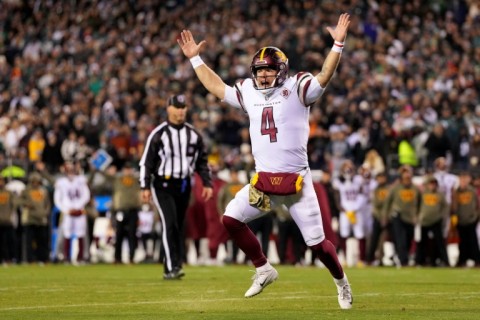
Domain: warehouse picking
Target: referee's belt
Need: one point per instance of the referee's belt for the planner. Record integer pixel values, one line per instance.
(170, 179)
(175, 182)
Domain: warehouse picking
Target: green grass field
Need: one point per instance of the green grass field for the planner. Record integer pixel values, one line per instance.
(138, 292)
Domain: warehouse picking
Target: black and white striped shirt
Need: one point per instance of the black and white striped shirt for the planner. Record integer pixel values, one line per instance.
(174, 152)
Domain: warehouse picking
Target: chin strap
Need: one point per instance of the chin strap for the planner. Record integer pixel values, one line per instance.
(267, 91)
(273, 86)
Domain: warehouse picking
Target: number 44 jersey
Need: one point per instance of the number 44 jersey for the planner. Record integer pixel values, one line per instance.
(279, 120)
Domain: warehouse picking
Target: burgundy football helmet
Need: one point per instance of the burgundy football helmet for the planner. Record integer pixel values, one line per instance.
(270, 57)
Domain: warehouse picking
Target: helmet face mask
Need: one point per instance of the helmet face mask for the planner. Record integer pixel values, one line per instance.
(272, 59)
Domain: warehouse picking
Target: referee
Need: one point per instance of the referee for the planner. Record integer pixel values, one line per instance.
(173, 152)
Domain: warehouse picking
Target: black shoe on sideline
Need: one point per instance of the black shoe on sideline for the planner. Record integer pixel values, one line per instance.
(176, 274)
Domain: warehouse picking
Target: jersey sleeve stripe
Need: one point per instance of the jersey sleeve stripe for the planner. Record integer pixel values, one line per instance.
(302, 86)
(299, 75)
(305, 89)
(239, 95)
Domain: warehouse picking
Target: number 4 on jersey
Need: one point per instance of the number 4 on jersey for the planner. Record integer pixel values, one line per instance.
(268, 124)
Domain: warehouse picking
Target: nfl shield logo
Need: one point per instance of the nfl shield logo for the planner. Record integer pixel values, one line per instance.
(285, 93)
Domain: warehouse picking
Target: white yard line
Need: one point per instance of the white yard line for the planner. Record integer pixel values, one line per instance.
(464, 296)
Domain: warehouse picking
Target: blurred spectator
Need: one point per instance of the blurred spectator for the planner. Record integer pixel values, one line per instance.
(226, 193)
(368, 185)
(69, 147)
(379, 222)
(401, 207)
(406, 152)
(228, 129)
(125, 205)
(438, 144)
(36, 209)
(474, 154)
(83, 152)
(323, 196)
(326, 184)
(288, 233)
(52, 153)
(36, 145)
(466, 214)
(433, 210)
(216, 232)
(13, 136)
(7, 232)
(461, 156)
(338, 150)
(374, 163)
(196, 218)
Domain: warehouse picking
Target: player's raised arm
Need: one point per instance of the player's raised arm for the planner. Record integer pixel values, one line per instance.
(207, 76)
(331, 62)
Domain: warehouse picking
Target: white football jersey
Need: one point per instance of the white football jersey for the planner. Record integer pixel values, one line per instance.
(368, 188)
(351, 196)
(446, 183)
(71, 194)
(279, 121)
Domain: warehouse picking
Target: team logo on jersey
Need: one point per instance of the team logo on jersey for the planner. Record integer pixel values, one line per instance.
(285, 93)
(430, 199)
(276, 181)
(407, 195)
(127, 181)
(36, 195)
(464, 198)
(382, 194)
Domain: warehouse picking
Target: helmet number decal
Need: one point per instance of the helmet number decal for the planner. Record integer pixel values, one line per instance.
(268, 124)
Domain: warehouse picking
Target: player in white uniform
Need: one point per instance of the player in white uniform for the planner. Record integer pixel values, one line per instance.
(278, 107)
(352, 203)
(369, 184)
(71, 195)
(447, 184)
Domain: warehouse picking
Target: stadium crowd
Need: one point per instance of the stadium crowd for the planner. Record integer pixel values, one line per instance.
(80, 76)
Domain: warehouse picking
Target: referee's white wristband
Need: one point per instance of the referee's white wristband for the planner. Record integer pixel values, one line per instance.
(196, 61)
(338, 46)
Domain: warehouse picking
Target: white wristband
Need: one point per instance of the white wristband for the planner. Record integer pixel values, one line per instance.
(196, 61)
(338, 46)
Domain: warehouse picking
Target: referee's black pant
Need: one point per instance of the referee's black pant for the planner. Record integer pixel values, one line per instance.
(171, 197)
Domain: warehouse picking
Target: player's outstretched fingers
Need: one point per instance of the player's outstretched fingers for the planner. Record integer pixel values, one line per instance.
(189, 35)
(184, 38)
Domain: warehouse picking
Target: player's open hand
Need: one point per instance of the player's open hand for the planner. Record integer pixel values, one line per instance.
(189, 47)
(339, 33)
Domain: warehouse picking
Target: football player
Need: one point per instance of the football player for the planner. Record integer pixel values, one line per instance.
(447, 184)
(352, 203)
(278, 107)
(71, 196)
